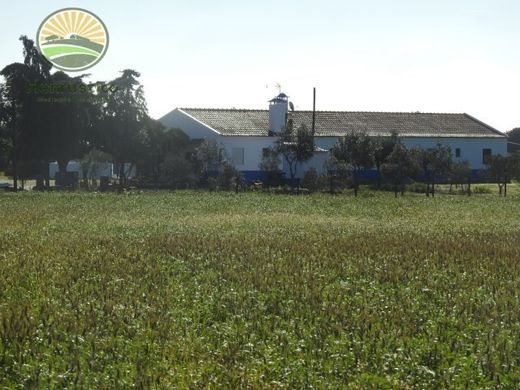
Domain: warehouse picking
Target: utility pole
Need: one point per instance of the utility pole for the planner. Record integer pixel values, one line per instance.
(313, 110)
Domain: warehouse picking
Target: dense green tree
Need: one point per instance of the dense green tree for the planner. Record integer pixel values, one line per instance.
(436, 163)
(177, 171)
(121, 121)
(402, 164)
(460, 174)
(382, 147)
(311, 180)
(48, 113)
(24, 114)
(166, 157)
(68, 113)
(151, 153)
(229, 177)
(270, 166)
(295, 146)
(352, 154)
(209, 157)
(514, 135)
(502, 169)
(5, 137)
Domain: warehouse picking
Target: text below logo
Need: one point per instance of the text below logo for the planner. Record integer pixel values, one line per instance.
(72, 39)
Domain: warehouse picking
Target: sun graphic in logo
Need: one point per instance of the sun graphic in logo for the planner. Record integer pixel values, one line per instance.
(72, 39)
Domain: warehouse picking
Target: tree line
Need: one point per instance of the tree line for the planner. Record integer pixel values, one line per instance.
(358, 158)
(47, 117)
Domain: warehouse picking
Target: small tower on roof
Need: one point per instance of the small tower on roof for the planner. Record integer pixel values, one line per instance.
(278, 108)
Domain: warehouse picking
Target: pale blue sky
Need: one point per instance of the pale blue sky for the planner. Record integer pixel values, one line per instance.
(371, 55)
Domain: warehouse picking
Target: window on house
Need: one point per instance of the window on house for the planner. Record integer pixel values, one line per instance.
(486, 153)
(237, 156)
(457, 152)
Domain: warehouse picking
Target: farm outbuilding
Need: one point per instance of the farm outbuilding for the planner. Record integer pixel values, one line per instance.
(245, 133)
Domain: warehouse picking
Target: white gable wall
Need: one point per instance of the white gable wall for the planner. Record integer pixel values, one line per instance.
(190, 125)
(197, 130)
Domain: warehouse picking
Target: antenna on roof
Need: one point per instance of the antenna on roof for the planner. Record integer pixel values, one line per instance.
(279, 87)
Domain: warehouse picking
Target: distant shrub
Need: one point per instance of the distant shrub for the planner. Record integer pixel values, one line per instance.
(229, 178)
(417, 187)
(310, 180)
(366, 194)
(386, 186)
(323, 182)
(481, 190)
(177, 172)
(212, 184)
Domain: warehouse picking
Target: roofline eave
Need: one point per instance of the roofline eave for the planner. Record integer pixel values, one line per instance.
(198, 121)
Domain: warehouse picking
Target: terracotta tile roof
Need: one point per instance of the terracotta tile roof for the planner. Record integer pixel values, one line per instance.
(239, 122)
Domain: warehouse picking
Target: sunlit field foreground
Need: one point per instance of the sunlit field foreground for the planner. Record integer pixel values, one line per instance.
(193, 289)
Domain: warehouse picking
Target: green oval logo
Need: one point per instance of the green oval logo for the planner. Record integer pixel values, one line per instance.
(72, 39)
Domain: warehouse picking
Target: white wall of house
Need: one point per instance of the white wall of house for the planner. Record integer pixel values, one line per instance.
(252, 150)
(104, 169)
(317, 162)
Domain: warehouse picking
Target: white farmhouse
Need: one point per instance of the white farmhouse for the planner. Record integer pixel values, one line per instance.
(244, 134)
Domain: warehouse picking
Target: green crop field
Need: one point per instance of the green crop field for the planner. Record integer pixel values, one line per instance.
(193, 289)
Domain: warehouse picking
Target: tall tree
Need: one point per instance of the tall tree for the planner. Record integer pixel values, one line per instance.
(5, 137)
(68, 120)
(122, 118)
(352, 154)
(24, 115)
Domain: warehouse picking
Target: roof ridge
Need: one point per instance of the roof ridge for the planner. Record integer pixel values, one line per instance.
(385, 112)
(246, 121)
(325, 111)
(220, 109)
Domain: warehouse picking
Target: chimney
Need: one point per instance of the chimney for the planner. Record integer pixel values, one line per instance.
(278, 108)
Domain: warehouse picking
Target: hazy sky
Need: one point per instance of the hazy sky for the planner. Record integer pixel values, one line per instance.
(370, 55)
